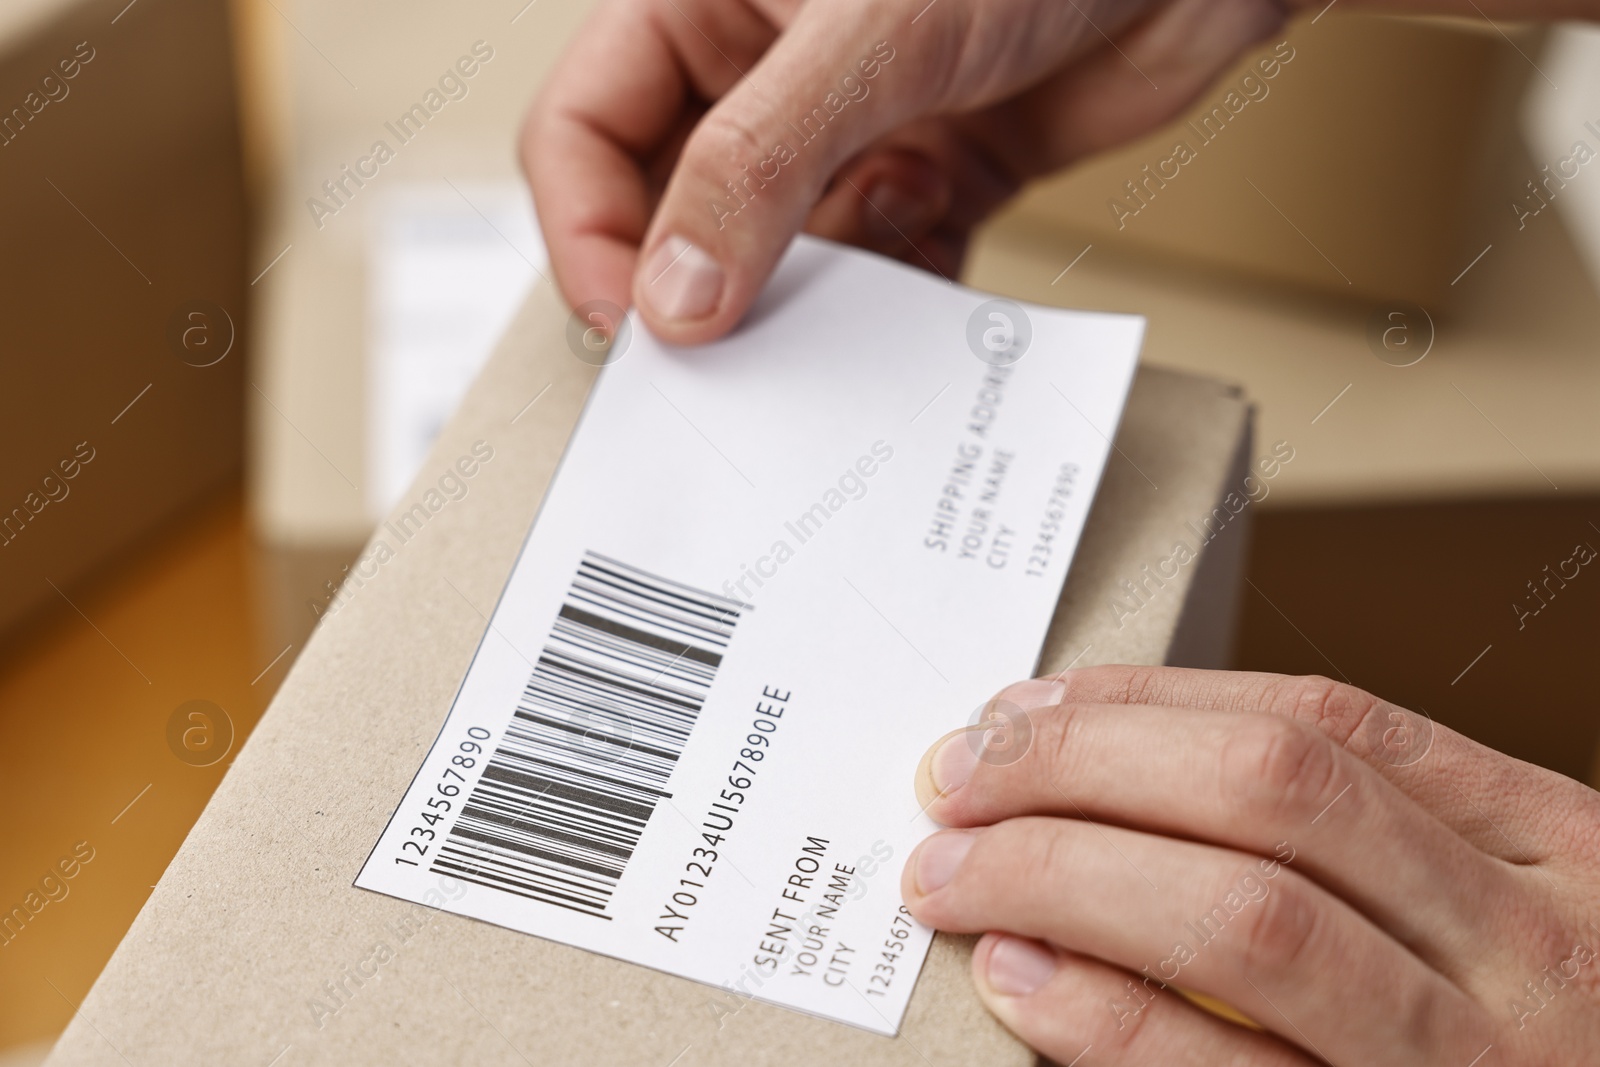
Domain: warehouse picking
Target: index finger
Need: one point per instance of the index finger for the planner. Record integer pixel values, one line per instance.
(625, 93)
(1479, 793)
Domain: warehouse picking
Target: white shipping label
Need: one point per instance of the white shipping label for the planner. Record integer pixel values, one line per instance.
(769, 573)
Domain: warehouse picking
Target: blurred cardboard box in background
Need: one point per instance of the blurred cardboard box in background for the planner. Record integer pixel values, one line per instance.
(123, 214)
(1352, 154)
(321, 455)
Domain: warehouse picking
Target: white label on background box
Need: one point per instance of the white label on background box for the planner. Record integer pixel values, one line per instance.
(769, 573)
(450, 267)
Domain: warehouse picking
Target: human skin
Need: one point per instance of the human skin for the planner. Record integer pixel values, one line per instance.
(1370, 887)
(657, 104)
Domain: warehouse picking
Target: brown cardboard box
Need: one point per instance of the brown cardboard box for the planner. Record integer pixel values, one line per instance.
(1352, 154)
(121, 204)
(258, 912)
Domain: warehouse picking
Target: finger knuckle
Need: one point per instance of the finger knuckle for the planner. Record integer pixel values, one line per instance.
(1056, 735)
(1432, 1015)
(1276, 771)
(1118, 1027)
(1283, 931)
(1336, 708)
(1043, 853)
(1124, 684)
(1580, 827)
(726, 138)
(1560, 954)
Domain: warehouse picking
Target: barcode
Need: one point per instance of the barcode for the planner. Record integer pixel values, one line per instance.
(563, 801)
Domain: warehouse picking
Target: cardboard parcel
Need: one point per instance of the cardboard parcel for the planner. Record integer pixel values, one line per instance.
(255, 948)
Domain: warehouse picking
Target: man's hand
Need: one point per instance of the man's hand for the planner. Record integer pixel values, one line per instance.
(680, 144)
(1369, 887)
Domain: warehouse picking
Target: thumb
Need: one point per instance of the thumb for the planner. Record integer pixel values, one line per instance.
(760, 158)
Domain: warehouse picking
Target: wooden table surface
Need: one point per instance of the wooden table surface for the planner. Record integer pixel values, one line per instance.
(86, 693)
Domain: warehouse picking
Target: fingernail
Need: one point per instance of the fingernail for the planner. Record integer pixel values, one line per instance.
(891, 214)
(939, 857)
(1034, 693)
(1018, 966)
(681, 281)
(954, 761)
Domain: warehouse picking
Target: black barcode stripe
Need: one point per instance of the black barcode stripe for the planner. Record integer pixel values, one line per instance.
(559, 808)
(617, 683)
(653, 587)
(640, 611)
(637, 636)
(581, 701)
(709, 613)
(717, 606)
